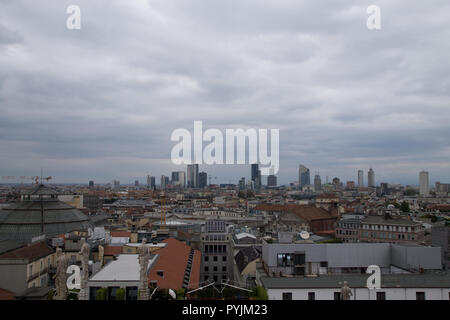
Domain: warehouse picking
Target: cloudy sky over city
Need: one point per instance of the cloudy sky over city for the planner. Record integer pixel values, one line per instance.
(101, 103)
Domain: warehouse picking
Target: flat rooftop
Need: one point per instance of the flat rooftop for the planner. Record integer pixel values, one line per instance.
(428, 280)
(125, 268)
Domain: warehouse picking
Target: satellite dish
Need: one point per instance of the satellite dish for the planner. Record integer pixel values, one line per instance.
(304, 234)
(173, 294)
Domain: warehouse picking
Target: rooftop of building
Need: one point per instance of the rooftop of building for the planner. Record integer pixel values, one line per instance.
(390, 221)
(247, 255)
(7, 295)
(426, 280)
(31, 252)
(8, 245)
(172, 262)
(306, 212)
(124, 268)
(33, 217)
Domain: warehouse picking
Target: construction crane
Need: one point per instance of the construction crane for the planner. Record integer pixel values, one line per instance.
(35, 178)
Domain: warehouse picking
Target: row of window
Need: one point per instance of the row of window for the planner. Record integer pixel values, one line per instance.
(215, 248)
(215, 258)
(215, 237)
(387, 235)
(215, 278)
(388, 228)
(215, 269)
(348, 225)
(337, 296)
(347, 232)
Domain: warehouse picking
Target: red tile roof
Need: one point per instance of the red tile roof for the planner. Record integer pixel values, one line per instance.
(184, 235)
(6, 295)
(32, 252)
(305, 212)
(112, 250)
(172, 262)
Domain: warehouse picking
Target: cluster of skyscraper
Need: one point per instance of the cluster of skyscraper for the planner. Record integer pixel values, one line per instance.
(304, 178)
(195, 179)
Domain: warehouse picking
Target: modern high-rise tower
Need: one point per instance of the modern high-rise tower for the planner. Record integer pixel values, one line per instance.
(254, 172)
(164, 181)
(423, 183)
(360, 178)
(179, 178)
(202, 180)
(272, 180)
(303, 176)
(192, 176)
(317, 183)
(371, 178)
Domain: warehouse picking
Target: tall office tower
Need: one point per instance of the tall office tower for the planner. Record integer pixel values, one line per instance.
(91, 184)
(152, 182)
(116, 185)
(384, 188)
(192, 175)
(303, 176)
(317, 183)
(182, 178)
(424, 183)
(242, 184)
(174, 177)
(202, 180)
(258, 180)
(360, 178)
(149, 181)
(371, 178)
(272, 180)
(136, 183)
(179, 178)
(255, 168)
(164, 182)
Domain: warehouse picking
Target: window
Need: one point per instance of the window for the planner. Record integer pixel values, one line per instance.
(287, 295)
(215, 258)
(206, 258)
(324, 264)
(112, 293)
(337, 296)
(311, 296)
(215, 278)
(284, 260)
(206, 269)
(420, 295)
(224, 258)
(215, 268)
(160, 273)
(131, 293)
(381, 295)
(224, 269)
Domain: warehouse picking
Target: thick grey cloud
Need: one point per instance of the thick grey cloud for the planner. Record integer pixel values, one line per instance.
(102, 102)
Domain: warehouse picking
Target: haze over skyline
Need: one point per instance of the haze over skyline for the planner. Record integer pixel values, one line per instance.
(101, 103)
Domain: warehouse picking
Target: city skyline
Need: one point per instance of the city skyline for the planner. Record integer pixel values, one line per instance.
(144, 179)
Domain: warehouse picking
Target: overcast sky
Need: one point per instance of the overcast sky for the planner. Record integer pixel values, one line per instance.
(101, 103)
